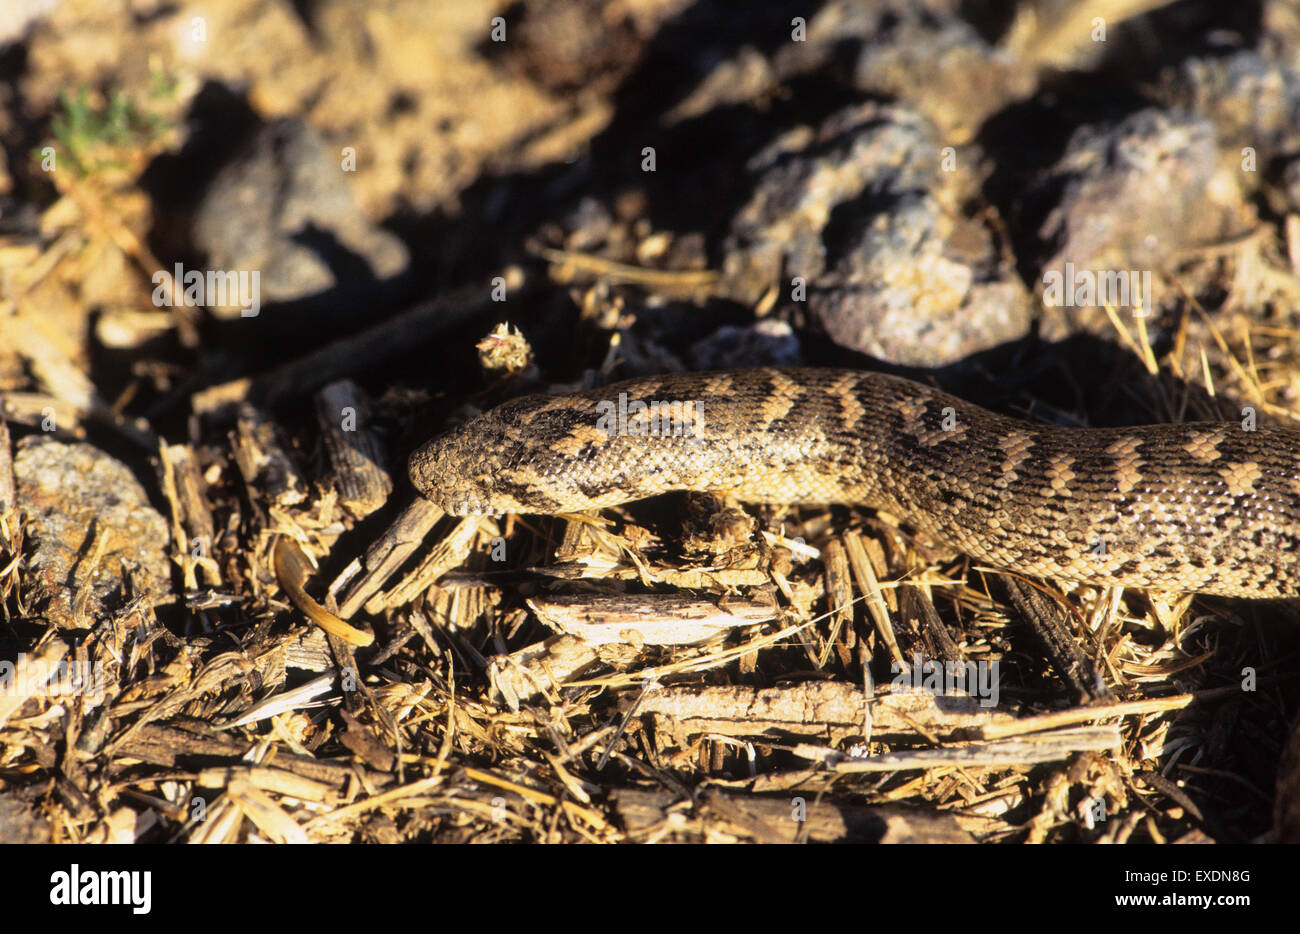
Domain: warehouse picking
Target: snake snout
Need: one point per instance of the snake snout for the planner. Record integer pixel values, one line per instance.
(453, 475)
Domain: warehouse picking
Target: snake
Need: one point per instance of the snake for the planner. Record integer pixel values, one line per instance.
(1196, 507)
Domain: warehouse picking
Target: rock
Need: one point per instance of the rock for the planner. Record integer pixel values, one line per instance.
(904, 292)
(21, 817)
(922, 55)
(89, 525)
(17, 16)
(283, 208)
(1291, 184)
(859, 211)
(945, 70)
(1251, 100)
(1130, 198)
(1254, 103)
(566, 45)
(764, 343)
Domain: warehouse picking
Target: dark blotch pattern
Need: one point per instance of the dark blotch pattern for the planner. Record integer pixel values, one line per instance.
(1177, 525)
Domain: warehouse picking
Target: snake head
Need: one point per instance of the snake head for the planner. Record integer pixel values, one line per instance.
(457, 470)
(546, 455)
(508, 460)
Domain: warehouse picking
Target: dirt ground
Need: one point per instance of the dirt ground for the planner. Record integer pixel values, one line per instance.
(429, 208)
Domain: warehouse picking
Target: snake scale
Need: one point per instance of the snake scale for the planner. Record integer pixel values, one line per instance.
(1207, 507)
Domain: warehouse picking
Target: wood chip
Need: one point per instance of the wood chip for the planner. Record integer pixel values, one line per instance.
(343, 413)
(648, 619)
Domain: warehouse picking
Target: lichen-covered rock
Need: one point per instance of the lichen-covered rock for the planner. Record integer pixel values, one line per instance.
(89, 527)
(927, 57)
(1252, 100)
(1254, 103)
(1130, 198)
(859, 211)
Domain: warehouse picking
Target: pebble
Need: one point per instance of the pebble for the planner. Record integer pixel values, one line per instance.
(87, 521)
(282, 207)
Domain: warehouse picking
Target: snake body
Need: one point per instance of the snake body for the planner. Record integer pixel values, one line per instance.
(1206, 507)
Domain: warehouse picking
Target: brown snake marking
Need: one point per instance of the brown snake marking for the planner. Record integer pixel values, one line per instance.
(1206, 507)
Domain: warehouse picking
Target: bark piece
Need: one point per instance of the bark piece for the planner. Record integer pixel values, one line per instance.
(648, 619)
(538, 668)
(344, 415)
